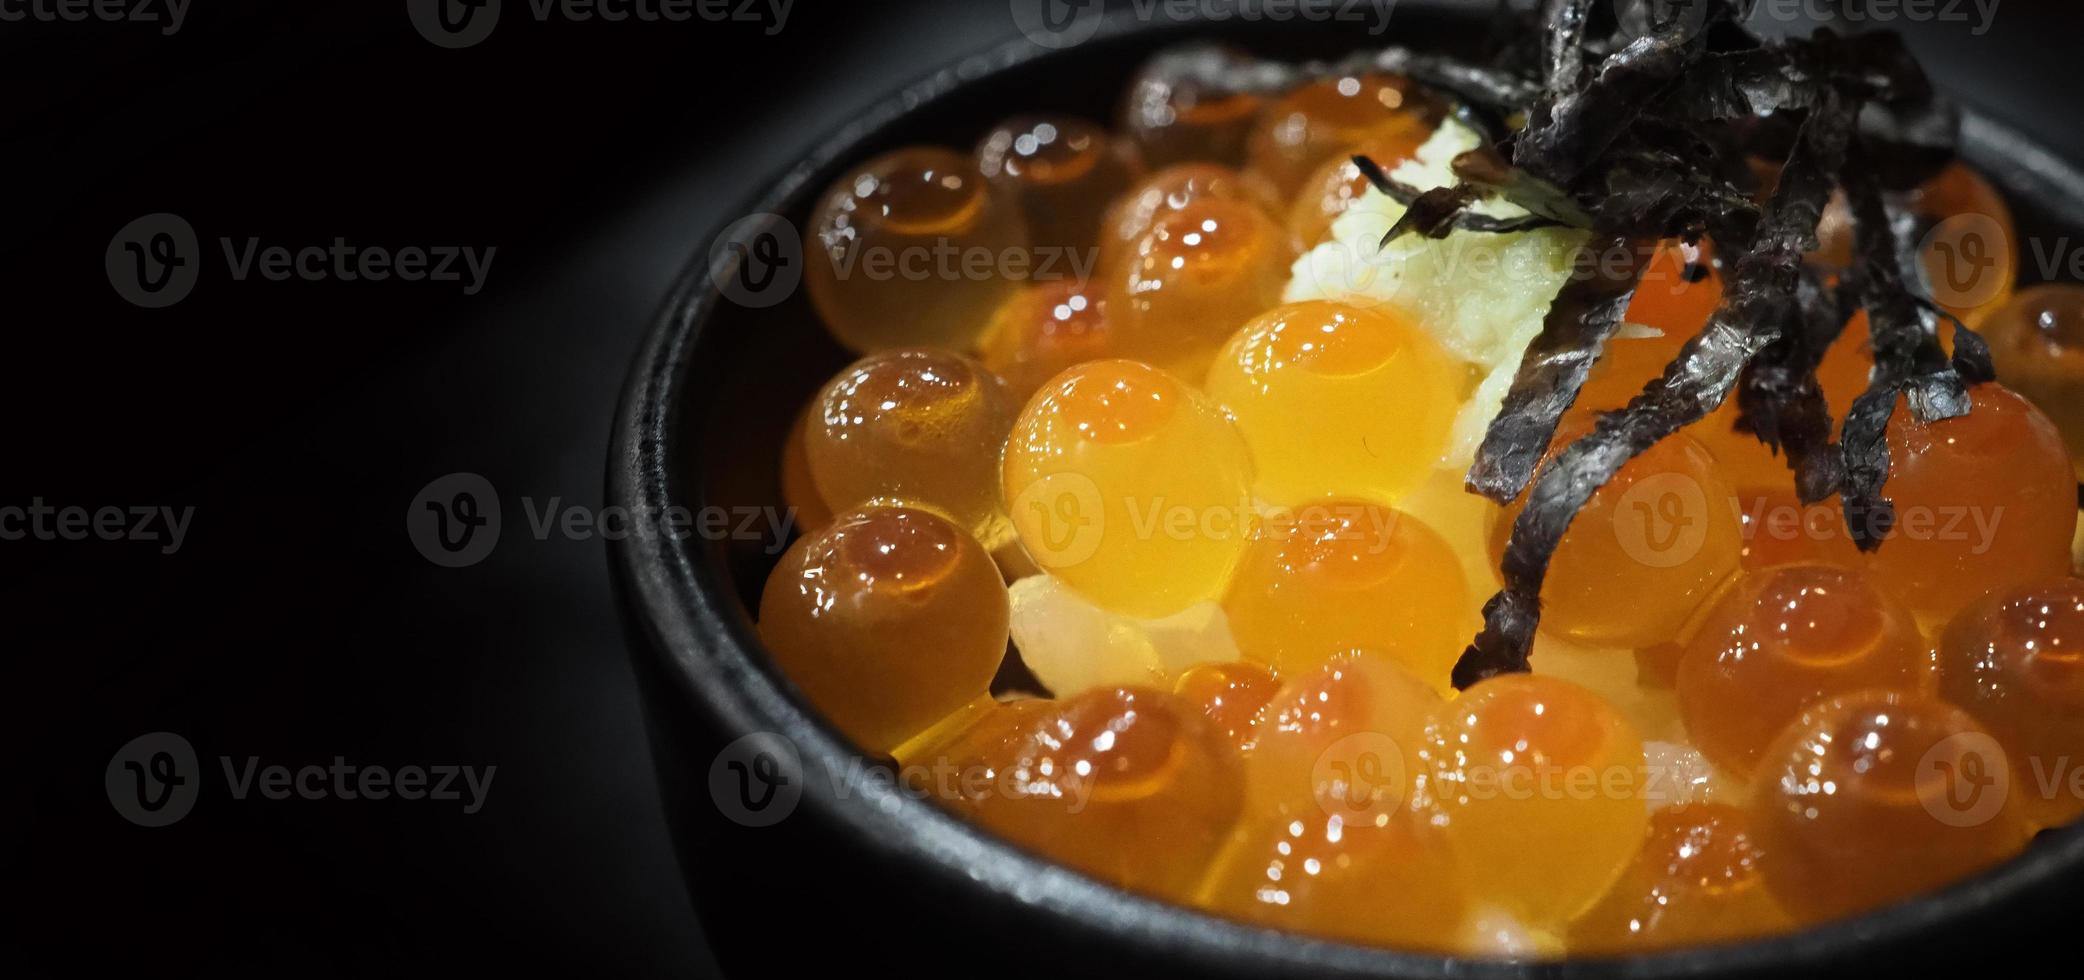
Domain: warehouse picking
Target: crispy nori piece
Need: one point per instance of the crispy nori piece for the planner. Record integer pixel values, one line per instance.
(1754, 309)
(1578, 325)
(1908, 359)
(1564, 142)
(1781, 397)
(1566, 44)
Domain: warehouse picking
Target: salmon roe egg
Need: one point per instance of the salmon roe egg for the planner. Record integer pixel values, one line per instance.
(1335, 399)
(1337, 183)
(1348, 574)
(1319, 120)
(1063, 171)
(1970, 257)
(1984, 501)
(1783, 639)
(2016, 662)
(1382, 881)
(1185, 120)
(889, 619)
(1230, 694)
(2037, 344)
(1130, 487)
(1335, 739)
(1697, 881)
(918, 427)
(1875, 797)
(1043, 330)
(1128, 785)
(1678, 291)
(877, 252)
(1131, 215)
(1781, 530)
(1536, 785)
(1644, 552)
(1193, 279)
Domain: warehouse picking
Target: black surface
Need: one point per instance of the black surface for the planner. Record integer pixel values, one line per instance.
(297, 623)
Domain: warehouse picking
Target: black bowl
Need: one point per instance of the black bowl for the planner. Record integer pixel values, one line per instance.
(857, 873)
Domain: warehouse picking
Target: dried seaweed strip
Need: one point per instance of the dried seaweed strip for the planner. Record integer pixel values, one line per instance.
(1782, 401)
(1655, 193)
(1563, 143)
(1566, 44)
(1761, 290)
(1573, 334)
(1908, 360)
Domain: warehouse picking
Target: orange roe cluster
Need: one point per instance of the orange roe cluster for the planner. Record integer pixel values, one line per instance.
(1147, 469)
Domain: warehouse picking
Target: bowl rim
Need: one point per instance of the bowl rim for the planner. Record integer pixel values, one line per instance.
(682, 612)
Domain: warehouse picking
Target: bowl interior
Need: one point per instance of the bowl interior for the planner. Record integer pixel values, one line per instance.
(745, 372)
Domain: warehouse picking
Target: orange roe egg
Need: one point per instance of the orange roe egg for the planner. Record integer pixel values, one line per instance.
(1644, 553)
(1063, 171)
(1536, 785)
(918, 427)
(2016, 662)
(889, 620)
(886, 249)
(1783, 639)
(1337, 183)
(1230, 695)
(1383, 881)
(1043, 330)
(1321, 119)
(1696, 882)
(1130, 487)
(1190, 282)
(1336, 399)
(1335, 740)
(1177, 120)
(1346, 574)
(1970, 257)
(1983, 502)
(1128, 785)
(1875, 797)
(1131, 215)
(1781, 530)
(2037, 343)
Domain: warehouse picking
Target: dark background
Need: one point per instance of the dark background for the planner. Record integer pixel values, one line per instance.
(300, 419)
